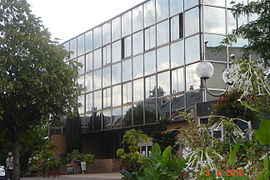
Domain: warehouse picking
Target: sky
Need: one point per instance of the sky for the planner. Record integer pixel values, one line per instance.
(68, 18)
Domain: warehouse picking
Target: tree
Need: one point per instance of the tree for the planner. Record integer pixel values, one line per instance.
(35, 83)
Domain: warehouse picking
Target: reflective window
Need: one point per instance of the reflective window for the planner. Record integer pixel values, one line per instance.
(150, 62)
(97, 37)
(97, 59)
(237, 48)
(178, 81)
(193, 98)
(66, 46)
(137, 16)
(107, 98)
(116, 73)
(127, 116)
(81, 61)
(163, 108)
(89, 82)
(89, 102)
(116, 51)
(149, 38)
(81, 101)
(138, 113)
(107, 76)
(177, 54)
(89, 62)
(216, 80)
(116, 29)
(231, 3)
(73, 48)
(192, 49)
(150, 87)
(116, 95)
(126, 24)
(178, 104)
(88, 41)
(127, 93)
(81, 81)
(138, 89)
(213, 49)
(215, 2)
(192, 21)
(127, 47)
(107, 118)
(176, 24)
(81, 45)
(190, 3)
(231, 22)
(163, 58)
(150, 111)
(97, 120)
(176, 6)
(138, 43)
(98, 100)
(163, 84)
(126, 70)
(97, 79)
(162, 9)
(149, 13)
(106, 33)
(116, 117)
(214, 20)
(138, 66)
(193, 81)
(107, 54)
(163, 32)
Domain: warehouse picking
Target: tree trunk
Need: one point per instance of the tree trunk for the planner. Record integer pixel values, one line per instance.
(16, 159)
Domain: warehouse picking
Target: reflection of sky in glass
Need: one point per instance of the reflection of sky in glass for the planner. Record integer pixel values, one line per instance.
(163, 32)
(97, 78)
(191, 21)
(137, 43)
(192, 49)
(163, 58)
(162, 9)
(107, 54)
(214, 20)
(178, 83)
(174, 28)
(176, 6)
(116, 73)
(138, 66)
(106, 33)
(126, 24)
(116, 95)
(138, 89)
(107, 76)
(107, 118)
(127, 46)
(97, 59)
(89, 102)
(80, 45)
(98, 99)
(97, 37)
(150, 62)
(81, 81)
(127, 92)
(73, 48)
(88, 41)
(107, 97)
(164, 82)
(230, 4)
(116, 28)
(81, 61)
(193, 81)
(177, 54)
(116, 51)
(89, 61)
(150, 84)
(137, 16)
(149, 13)
(215, 2)
(150, 38)
(190, 3)
(126, 70)
(88, 82)
(231, 22)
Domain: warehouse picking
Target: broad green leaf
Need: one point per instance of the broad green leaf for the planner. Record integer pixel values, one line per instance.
(156, 150)
(233, 153)
(244, 103)
(263, 133)
(166, 155)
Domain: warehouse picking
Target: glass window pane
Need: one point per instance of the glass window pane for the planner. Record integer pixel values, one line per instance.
(97, 120)
(138, 89)
(150, 62)
(138, 114)
(214, 20)
(81, 81)
(163, 108)
(163, 32)
(126, 70)
(193, 81)
(97, 59)
(149, 13)
(127, 93)
(97, 79)
(107, 54)
(213, 50)
(127, 46)
(116, 73)
(176, 6)
(231, 3)
(107, 76)
(116, 95)
(89, 62)
(150, 87)
(178, 104)
(98, 100)
(215, 2)
(82, 68)
(126, 24)
(190, 3)
(138, 43)
(137, 16)
(107, 98)
(127, 116)
(231, 22)
(149, 38)
(163, 84)
(88, 41)
(177, 54)
(178, 81)
(117, 117)
(193, 98)
(236, 48)
(163, 58)
(107, 118)
(216, 80)
(106, 33)
(192, 49)
(89, 102)
(116, 51)
(138, 66)
(116, 29)
(150, 111)
(73, 48)
(175, 31)
(81, 101)
(192, 22)
(89, 82)
(97, 37)
(66, 47)
(81, 45)
(162, 9)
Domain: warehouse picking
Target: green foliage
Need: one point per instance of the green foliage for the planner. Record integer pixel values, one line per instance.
(133, 137)
(265, 174)
(233, 154)
(263, 133)
(76, 156)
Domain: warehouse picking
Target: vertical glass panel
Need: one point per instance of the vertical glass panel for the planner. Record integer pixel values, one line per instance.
(214, 20)
(241, 20)
(192, 21)
(164, 84)
(97, 59)
(81, 81)
(190, 3)
(97, 79)
(127, 47)
(175, 33)
(107, 54)
(178, 81)
(89, 62)
(237, 48)
(231, 3)
(88, 41)
(163, 108)
(178, 104)
(116, 95)
(138, 66)
(82, 68)
(138, 89)
(89, 82)
(126, 70)
(116, 51)
(163, 32)
(192, 98)
(163, 58)
(116, 28)
(127, 93)
(138, 43)
(81, 45)
(126, 24)
(150, 111)
(89, 102)
(107, 76)
(150, 62)
(127, 116)
(107, 98)
(81, 101)
(231, 22)
(66, 46)
(150, 87)
(216, 80)
(215, 2)
(116, 73)
(116, 117)
(177, 54)
(73, 48)
(137, 16)
(97, 37)
(97, 120)
(106, 33)
(213, 49)
(162, 9)
(138, 113)
(149, 38)
(107, 118)
(193, 81)
(98, 100)
(149, 13)
(192, 49)
(176, 6)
